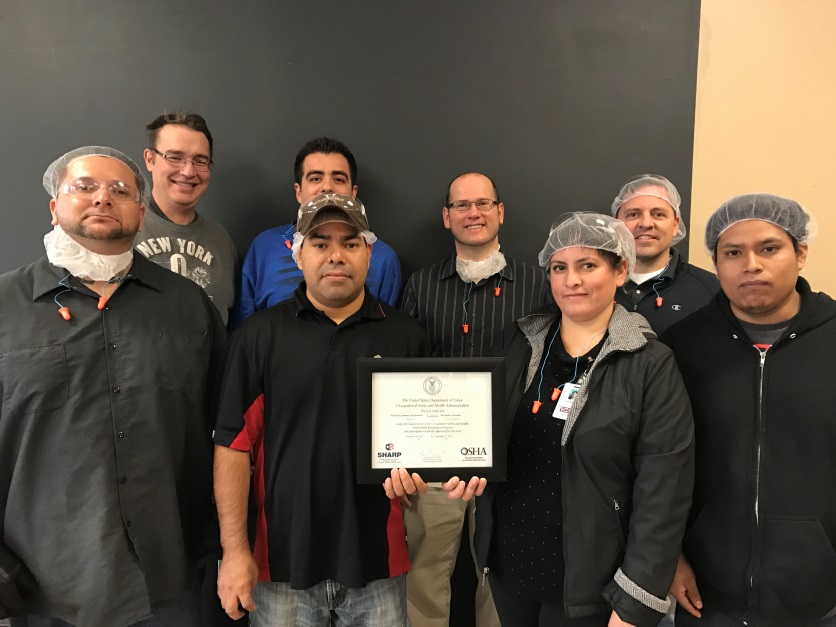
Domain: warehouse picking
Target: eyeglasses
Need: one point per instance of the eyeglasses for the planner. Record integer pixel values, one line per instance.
(483, 204)
(178, 161)
(86, 186)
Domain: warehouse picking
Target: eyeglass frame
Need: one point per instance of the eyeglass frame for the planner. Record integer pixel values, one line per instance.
(68, 189)
(199, 167)
(476, 202)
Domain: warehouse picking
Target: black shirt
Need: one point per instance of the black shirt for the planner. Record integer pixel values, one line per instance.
(528, 532)
(683, 288)
(105, 438)
(289, 396)
(442, 303)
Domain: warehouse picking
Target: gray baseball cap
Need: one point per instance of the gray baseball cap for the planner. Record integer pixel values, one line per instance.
(331, 207)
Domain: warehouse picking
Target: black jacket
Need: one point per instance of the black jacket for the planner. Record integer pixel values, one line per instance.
(764, 516)
(627, 470)
(684, 289)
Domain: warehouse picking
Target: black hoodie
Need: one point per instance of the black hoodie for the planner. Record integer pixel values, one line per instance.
(762, 528)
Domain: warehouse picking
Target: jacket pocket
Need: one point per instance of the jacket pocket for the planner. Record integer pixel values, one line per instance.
(184, 360)
(718, 547)
(33, 379)
(797, 575)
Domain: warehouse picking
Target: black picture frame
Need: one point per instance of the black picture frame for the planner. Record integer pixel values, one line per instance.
(432, 366)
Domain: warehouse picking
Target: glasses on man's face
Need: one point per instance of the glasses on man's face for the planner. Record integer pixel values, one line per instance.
(86, 186)
(483, 204)
(178, 161)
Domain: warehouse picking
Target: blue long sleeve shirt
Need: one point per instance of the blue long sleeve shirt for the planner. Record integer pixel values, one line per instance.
(269, 274)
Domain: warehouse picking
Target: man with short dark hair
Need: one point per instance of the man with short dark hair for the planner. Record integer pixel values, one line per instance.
(180, 159)
(270, 275)
(466, 304)
(105, 429)
(663, 287)
(759, 547)
(324, 544)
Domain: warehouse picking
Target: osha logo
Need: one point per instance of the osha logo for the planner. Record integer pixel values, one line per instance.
(474, 450)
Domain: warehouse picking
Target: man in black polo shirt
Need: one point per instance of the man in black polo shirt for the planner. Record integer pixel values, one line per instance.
(466, 304)
(662, 287)
(289, 399)
(105, 425)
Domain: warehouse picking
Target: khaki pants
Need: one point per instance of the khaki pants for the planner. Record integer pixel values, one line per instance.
(434, 532)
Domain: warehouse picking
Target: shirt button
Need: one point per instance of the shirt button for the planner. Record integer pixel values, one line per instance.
(120, 435)
(116, 390)
(127, 523)
(123, 480)
(112, 347)
(638, 291)
(474, 315)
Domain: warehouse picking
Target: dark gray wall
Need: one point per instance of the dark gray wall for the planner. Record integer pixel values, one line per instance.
(559, 101)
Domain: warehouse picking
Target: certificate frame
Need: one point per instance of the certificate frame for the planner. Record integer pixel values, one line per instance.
(433, 368)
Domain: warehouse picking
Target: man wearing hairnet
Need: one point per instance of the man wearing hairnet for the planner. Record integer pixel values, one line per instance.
(759, 549)
(663, 287)
(105, 425)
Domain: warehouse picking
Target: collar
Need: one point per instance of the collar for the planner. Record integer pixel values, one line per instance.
(669, 272)
(46, 276)
(448, 269)
(370, 308)
(155, 208)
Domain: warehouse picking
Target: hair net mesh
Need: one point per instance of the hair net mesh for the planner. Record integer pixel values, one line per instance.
(590, 230)
(644, 185)
(55, 172)
(782, 212)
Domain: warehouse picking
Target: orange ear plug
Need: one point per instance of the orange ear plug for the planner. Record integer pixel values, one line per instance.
(288, 244)
(65, 313)
(556, 394)
(102, 302)
(658, 301)
(496, 291)
(466, 328)
(536, 407)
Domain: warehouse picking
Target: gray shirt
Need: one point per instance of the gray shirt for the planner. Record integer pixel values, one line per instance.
(201, 251)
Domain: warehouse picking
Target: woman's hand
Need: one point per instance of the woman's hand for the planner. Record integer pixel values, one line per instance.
(615, 621)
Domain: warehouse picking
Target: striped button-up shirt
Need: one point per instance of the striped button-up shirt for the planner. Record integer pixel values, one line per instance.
(470, 319)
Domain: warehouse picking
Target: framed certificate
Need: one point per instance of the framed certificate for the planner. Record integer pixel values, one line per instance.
(439, 417)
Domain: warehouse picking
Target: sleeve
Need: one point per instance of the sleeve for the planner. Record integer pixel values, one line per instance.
(16, 583)
(389, 289)
(240, 414)
(409, 303)
(662, 489)
(245, 305)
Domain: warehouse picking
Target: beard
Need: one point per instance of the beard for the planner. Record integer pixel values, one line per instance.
(102, 234)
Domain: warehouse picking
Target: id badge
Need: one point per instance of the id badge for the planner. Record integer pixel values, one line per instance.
(564, 403)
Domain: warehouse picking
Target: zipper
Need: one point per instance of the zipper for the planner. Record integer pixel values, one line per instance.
(617, 509)
(759, 423)
(484, 575)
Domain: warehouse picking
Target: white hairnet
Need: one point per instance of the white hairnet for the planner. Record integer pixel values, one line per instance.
(782, 212)
(55, 172)
(590, 230)
(643, 185)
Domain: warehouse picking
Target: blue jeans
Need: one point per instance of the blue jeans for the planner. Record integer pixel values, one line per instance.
(380, 603)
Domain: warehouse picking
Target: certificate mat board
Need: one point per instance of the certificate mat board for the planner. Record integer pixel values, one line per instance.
(439, 417)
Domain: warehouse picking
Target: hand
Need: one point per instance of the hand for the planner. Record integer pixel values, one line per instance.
(615, 621)
(401, 484)
(237, 577)
(684, 588)
(459, 489)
